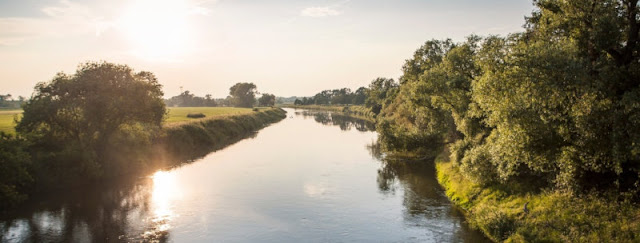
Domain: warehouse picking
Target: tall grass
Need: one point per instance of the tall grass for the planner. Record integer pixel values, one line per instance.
(552, 216)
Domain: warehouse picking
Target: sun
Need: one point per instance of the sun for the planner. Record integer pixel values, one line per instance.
(157, 29)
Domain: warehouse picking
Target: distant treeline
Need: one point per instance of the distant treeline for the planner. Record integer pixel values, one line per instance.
(8, 102)
(342, 96)
(240, 95)
(187, 99)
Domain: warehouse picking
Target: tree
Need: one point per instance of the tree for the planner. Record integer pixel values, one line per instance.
(188, 99)
(322, 98)
(75, 117)
(298, 102)
(359, 96)
(378, 91)
(15, 177)
(341, 96)
(267, 100)
(243, 94)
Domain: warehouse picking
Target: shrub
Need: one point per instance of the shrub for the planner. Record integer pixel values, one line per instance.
(196, 115)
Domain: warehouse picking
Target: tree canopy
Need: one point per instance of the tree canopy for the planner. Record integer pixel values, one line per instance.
(267, 100)
(243, 94)
(558, 104)
(80, 114)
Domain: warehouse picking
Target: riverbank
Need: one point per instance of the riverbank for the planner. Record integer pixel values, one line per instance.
(498, 211)
(190, 140)
(176, 144)
(356, 111)
(552, 216)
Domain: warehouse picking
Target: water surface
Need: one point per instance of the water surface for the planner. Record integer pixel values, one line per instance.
(313, 177)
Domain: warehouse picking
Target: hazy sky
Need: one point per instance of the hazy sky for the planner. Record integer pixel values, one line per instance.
(285, 47)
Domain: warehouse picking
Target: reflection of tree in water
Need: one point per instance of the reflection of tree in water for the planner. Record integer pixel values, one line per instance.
(345, 123)
(107, 213)
(115, 211)
(425, 202)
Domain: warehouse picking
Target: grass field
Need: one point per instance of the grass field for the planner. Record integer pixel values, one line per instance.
(179, 114)
(6, 120)
(175, 115)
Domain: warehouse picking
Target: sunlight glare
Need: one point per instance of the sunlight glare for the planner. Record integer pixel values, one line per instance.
(157, 29)
(165, 190)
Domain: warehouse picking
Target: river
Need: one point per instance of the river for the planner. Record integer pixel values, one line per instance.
(313, 177)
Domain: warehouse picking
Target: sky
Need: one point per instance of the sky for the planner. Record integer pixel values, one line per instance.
(285, 47)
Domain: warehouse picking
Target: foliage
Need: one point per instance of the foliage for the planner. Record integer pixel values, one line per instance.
(379, 93)
(8, 102)
(267, 100)
(243, 94)
(559, 103)
(553, 216)
(196, 115)
(187, 99)
(74, 121)
(15, 176)
(342, 96)
(183, 141)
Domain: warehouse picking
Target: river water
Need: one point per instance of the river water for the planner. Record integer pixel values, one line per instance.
(313, 177)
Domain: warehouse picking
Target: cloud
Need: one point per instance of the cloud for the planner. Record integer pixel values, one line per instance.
(64, 19)
(318, 12)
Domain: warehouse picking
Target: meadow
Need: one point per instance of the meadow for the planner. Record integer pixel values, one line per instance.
(179, 114)
(175, 115)
(6, 120)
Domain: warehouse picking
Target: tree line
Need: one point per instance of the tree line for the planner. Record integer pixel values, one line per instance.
(240, 95)
(557, 105)
(8, 102)
(342, 96)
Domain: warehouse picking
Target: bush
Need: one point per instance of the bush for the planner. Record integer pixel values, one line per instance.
(196, 115)
(15, 178)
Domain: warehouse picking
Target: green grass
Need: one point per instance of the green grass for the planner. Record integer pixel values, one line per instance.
(6, 120)
(183, 140)
(498, 211)
(179, 114)
(176, 115)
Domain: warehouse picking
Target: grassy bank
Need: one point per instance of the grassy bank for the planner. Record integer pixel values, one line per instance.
(179, 114)
(189, 140)
(349, 110)
(498, 211)
(174, 115)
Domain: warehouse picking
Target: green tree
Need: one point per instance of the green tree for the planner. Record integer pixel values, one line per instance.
(360, 96)
(322, 98)
(15, 177)
(564, 97)
(78, 118)
(243, 94)
(267, 100)
(378, 93)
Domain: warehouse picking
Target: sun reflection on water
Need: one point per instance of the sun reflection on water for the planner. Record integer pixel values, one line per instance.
(165, 191)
